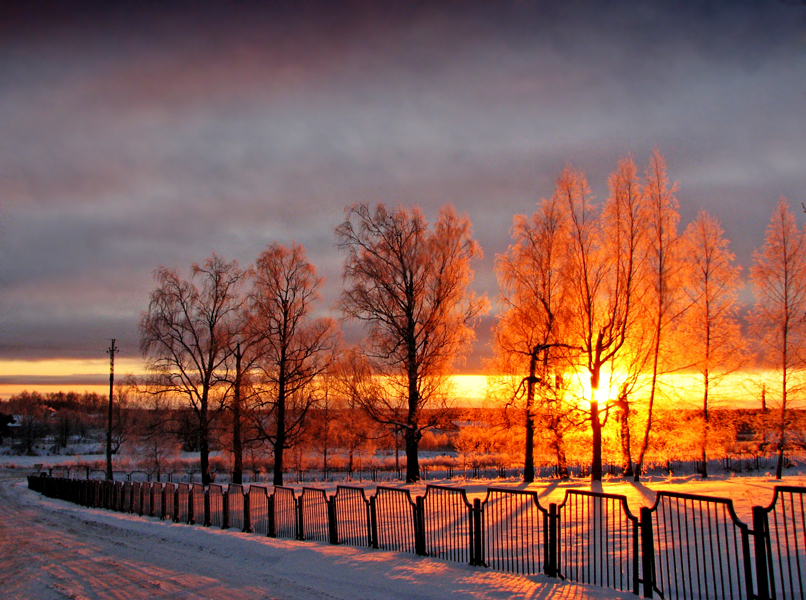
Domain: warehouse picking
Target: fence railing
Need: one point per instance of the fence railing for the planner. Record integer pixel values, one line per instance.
(597, 540)
(780, 531)
(684, 546)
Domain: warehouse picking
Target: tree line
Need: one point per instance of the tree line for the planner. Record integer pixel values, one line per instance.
(612, 290)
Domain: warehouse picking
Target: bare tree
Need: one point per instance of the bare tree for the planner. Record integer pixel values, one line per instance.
(529, 338)
(605, 257)
(779, 280)
(711, 332)
(185, 336)
(662, 275)
(410, 285)
(294, 347)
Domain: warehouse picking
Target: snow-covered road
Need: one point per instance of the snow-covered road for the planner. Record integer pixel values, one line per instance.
(51, 549)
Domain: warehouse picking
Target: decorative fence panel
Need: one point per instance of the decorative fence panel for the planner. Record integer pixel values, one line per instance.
(394, 517)
(314, 517)
(701, 549)
(235, 505)
(514, 526)
(597, 538)
(197, 504)
(285, 513)
(259, 509)
(157, 498)
(137, 498)
(783, 544)
(127, 497)
(182, 503)
(120, 496)
(352, 517)
(448, 524)
(147, 505)
(215, 494)
(169, 502)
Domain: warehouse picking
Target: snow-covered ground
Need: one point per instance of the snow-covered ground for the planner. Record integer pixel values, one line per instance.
(50, 549)
(53, 549)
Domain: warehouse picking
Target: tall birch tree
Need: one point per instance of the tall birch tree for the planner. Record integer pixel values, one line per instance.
(293, 346)
(711, 332)
(779, 281)
(662, 273)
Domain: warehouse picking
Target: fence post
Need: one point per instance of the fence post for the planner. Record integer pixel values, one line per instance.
(419, 527)
(477, 551)
(272, 528)
(636, 559)
(373, 522)
(191, 508)
(332, 526)
(761, 534)
(647, 551)
(550, 566)
(247, 521)
(299, 514)
(225, 509)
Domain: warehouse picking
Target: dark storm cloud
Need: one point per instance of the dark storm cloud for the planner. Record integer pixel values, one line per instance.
(139, 135)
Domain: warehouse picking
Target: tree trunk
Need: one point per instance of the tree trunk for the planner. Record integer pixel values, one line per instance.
(639, 466)
(237, 444)
(624, 436)
(204, 459)
(559, 450)
(596, 427)
(279, 443)
(412, 432)
(705, 426)
(779, 468)
(764, 417)
(412, 456)
(529, 450)
(204, 443)
(280, 437)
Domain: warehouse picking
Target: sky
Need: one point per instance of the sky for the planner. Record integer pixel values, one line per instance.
(147, 134)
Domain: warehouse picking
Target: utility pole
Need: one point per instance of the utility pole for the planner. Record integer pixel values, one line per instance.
(111, 351)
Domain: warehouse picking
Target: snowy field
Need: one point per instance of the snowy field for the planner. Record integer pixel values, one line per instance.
(53, 549)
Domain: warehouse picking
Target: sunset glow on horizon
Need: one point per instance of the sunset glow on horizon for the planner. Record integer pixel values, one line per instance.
(738, 390)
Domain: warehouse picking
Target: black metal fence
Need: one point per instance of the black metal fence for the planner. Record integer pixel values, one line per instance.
(684, 546)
